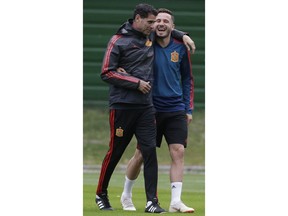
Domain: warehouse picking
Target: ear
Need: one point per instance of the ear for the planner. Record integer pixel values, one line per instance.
(137, 18)
(173, 26)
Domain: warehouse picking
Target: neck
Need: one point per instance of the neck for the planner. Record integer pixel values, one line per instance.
(135, 26)
(163, 42)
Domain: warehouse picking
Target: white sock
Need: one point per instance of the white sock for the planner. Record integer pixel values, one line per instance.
(176, 190)
(128, 185)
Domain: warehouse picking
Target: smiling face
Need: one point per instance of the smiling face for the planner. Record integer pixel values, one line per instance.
(163, 25)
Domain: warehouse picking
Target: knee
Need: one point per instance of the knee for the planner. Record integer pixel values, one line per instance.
(138, 157)
(176, 151)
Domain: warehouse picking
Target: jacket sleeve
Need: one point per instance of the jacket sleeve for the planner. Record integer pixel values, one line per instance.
(187, 82)
(178, 35)
(110, 64)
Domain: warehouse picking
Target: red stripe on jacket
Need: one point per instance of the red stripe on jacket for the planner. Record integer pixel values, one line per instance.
(109, 49)
(110, 74)
(192, 83)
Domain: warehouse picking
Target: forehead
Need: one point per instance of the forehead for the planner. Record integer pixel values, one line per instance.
(150, 17)
(164, 16)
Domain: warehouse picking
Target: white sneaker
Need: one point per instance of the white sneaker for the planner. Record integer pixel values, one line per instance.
(180, 207)
(127, 203)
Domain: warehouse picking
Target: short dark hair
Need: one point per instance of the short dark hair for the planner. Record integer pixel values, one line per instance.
(164, 10)
(144, 10)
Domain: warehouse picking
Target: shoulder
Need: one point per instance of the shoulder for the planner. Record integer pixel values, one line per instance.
(175, 41)
(121, 40)
(177, 44)
(115, 38)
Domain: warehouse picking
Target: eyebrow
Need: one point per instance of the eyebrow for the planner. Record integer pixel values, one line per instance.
(162, 19)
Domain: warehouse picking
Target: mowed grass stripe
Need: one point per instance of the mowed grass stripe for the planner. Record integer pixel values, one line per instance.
(192, 182)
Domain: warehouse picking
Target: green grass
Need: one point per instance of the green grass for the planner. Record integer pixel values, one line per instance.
(96, 139)
(193, 194)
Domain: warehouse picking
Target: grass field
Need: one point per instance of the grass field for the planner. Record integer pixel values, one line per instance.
(193, 194)
(96, 138)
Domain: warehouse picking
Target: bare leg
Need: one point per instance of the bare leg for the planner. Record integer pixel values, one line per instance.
(177, 162)
(134, 165)
(176, 171)
(176, 179)
(132, 172)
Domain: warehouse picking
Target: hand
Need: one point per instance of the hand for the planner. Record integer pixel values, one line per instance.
(121, 70)
(144, 87)
(189, 118)
(189, 43)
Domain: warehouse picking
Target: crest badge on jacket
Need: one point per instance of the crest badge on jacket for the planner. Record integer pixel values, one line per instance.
(174, 56)
(119, 132)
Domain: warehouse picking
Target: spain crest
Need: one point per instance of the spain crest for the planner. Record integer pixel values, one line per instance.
(119, 132)
(174, 56)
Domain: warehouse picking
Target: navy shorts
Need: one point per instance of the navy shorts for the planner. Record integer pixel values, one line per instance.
(173, 126)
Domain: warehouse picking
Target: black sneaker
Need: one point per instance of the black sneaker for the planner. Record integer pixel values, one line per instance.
(153, 207)
(103, 202)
